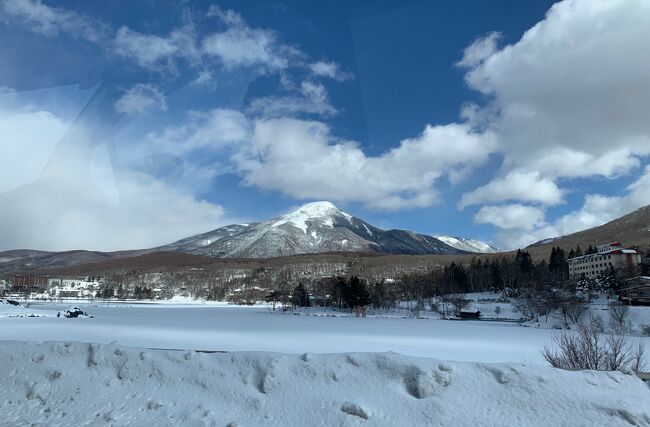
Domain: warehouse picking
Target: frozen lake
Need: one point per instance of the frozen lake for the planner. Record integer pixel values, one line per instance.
(227, 328)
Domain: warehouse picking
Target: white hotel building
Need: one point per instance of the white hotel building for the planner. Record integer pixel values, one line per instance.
(608, 256)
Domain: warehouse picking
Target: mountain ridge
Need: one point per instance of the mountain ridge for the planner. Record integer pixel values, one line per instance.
(312, 228)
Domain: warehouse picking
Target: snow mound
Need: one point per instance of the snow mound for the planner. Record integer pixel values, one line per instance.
(64, 383)
(74, 313)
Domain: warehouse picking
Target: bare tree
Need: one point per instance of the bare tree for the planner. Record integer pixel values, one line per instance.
(572, 310)
(525, 305)
(589, 348)
(618, 314)
(459, 302)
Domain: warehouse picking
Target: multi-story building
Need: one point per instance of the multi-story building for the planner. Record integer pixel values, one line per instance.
(608, 256)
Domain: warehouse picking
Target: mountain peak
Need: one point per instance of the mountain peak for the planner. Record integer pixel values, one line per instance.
(469, 245)
(315, 210)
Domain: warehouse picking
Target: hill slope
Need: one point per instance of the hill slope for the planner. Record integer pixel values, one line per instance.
(632, 229)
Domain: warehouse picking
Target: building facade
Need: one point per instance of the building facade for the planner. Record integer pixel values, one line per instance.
(29, 283)
(637, 292)
(608, 256)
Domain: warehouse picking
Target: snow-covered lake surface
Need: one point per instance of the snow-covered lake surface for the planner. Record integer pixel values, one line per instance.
(228, 328)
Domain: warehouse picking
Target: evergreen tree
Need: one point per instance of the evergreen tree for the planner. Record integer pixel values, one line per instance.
(525, 262)
(557, 263)
(300, 296)
(356, 293)
(495, 275)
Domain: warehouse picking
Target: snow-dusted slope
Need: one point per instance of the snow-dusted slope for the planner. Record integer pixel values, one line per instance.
(469, 245)
(313, 228)
(63, 384)
(205, 239)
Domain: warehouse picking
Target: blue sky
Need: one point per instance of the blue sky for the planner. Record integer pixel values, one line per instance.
(506, 121)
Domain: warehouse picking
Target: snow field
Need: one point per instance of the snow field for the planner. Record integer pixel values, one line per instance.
(258, 329)
(69, 383)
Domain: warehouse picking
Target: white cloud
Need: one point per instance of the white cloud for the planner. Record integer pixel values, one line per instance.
(51, 21)
(213, 130)
(303, 160)
(28, 139)
(514, 216)
(331, 70)
(517, 185)
(313, 99)
(227, 16)
(156, 52)
(568, 100)
(205, 79)
(241, 45)
(140, 98)
(596, 210)
(481, 49)
(62, 211)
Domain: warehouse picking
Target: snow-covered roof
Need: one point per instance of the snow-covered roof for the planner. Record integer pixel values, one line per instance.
(613, 251)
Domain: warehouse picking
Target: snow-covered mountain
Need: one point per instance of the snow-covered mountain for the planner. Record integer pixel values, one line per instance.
(313, 228)
(468, 245)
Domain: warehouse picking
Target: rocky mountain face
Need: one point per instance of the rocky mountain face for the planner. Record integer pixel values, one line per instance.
(313, 228)
(469, 245)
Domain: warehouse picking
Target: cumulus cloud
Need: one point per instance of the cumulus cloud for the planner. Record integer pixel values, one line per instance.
(52, 21)
(517, 185)
(596, 210)
(140, 98)
(62, 211)
(481, 49)
(559, 106)
(514, 216)
(304, 160)
(568, 100)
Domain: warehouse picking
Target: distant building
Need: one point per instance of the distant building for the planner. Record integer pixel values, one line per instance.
(470, 313)
(29, 283)
(637, 292)
(608, 256)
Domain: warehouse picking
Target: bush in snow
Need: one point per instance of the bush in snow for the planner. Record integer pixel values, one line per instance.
(590, 348)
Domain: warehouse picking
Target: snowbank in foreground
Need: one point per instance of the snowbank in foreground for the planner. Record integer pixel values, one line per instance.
(56, 383)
